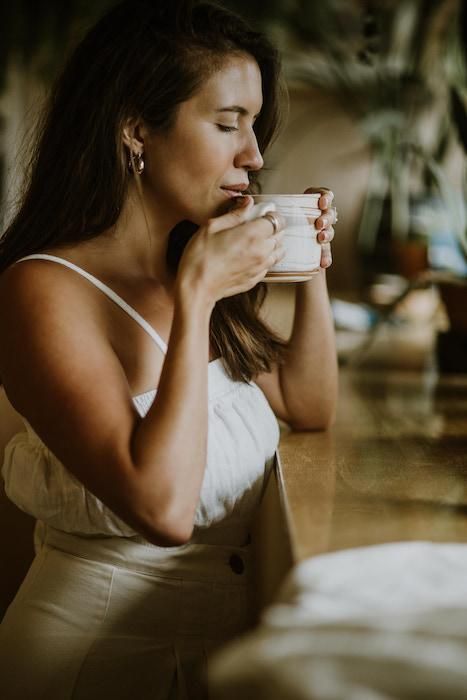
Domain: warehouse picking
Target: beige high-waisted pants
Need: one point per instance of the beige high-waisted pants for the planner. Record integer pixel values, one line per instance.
(110, 618)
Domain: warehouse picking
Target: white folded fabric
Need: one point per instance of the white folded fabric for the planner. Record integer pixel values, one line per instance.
(373, 623)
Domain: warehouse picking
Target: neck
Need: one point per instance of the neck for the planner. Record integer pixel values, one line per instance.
(140, 237)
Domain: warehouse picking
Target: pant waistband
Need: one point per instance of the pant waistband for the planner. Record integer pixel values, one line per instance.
(209, 562)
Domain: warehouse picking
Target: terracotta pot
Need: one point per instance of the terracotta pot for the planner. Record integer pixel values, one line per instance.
(409, 257)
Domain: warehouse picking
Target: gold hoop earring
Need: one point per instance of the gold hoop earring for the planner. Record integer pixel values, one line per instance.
(136, 163)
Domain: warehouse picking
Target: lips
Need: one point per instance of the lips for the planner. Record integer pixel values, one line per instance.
(235, 190)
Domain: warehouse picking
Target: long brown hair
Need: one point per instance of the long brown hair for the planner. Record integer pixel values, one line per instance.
(140, 61)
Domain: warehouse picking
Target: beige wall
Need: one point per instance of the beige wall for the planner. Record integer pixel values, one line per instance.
(322, 146)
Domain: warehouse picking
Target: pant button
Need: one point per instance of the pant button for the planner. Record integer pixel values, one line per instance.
(236, 564)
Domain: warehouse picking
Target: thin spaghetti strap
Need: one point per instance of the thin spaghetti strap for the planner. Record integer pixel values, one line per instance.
(107, 291)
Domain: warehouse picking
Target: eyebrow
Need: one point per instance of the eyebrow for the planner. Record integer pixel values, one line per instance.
(237, 109)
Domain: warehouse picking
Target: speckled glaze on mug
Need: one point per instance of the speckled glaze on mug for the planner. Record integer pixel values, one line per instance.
(303, 252)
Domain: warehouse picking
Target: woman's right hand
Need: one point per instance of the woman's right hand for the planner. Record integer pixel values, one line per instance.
(230, 254)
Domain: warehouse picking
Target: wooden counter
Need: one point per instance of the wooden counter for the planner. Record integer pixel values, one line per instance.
(393, 468)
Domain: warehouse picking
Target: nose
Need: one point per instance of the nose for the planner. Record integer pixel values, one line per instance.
(250, 157)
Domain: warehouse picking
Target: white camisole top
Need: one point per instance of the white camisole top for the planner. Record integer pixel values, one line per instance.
(243, 434)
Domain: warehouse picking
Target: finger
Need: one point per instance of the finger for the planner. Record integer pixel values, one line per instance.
(275, 258)
(325, 200)
(326, 255)
(264, 229)
(275, 255)
(276, 241)
(281, 253)
(331, 214)
(267, 224)
(327, 218)
(326, 235)
(233, 218)
(276, 220)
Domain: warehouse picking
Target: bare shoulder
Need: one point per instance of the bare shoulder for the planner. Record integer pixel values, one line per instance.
(27, 286)
(51, 332)
(40, 301)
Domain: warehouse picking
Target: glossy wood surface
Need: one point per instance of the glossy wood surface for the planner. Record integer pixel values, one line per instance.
(392, 468)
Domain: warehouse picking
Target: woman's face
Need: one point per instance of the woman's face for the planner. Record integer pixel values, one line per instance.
(210, 148)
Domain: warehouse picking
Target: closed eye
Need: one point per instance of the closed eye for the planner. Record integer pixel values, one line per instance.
(226, 129)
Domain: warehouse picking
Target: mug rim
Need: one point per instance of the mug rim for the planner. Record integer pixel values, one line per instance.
(314, 195)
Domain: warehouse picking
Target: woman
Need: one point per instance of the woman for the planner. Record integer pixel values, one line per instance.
(128, 273)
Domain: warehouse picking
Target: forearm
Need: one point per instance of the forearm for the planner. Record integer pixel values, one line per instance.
(309, 376)
(169, 445)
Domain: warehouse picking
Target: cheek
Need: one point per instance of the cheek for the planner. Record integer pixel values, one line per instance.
(201, 176)
(204, 155)
(204, 165)
(189, 173)
(194, 195)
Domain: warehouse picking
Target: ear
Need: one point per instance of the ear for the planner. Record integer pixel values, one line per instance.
(133, 136)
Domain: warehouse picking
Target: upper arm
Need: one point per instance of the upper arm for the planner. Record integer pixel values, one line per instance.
(61, 373)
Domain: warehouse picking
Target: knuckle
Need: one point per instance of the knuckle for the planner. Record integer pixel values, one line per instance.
(237, 217)
(259, 267)
(251, 237)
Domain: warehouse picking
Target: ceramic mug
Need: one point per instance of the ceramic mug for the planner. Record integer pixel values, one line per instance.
(302, 250)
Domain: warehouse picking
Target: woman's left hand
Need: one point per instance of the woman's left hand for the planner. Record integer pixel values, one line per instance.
(324, 224)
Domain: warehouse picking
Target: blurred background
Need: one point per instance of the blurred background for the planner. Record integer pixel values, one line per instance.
(377, 113)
